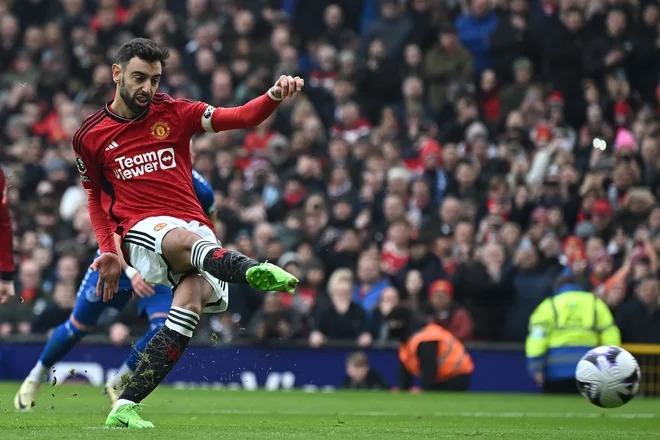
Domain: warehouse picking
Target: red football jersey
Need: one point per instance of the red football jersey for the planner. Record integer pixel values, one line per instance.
(6, 245)
(142, 167)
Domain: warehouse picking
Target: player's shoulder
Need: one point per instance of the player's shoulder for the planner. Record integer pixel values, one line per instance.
(88, 126)
(163, 99)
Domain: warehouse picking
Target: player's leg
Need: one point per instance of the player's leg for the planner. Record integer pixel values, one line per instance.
(163, 351)
(184, 249)
(156, 308)
(84, 317)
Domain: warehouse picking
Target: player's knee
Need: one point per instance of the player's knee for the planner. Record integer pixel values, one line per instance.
(176, 246)
(76, 330)
(156, 322)
(75, 326)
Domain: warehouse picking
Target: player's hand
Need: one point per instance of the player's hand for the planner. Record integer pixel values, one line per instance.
(109, 270)
(6, 291)
(287, 86)
(140, 287)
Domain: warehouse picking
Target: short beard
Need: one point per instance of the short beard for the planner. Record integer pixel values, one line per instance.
(129, 100)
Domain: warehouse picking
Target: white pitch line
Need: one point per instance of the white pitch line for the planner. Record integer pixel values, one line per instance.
(536, 415)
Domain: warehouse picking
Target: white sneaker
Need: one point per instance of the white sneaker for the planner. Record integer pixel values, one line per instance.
(25, 399)
(113, 393)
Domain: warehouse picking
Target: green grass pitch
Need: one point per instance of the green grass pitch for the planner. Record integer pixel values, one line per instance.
(78, 412)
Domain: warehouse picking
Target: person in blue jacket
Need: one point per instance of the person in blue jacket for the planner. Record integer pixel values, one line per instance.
(474, 30)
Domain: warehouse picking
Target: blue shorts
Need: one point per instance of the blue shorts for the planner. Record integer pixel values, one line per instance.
(89, 307)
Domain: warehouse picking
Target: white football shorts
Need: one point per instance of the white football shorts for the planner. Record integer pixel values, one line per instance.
(144, 245)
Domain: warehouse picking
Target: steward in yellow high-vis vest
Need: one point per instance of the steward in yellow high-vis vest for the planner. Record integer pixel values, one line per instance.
(562, 329)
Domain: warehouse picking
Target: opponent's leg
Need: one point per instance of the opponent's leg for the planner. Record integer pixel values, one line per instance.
(162, 352)
(61, 341)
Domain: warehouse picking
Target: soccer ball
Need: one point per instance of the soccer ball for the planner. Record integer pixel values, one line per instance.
(608, 376)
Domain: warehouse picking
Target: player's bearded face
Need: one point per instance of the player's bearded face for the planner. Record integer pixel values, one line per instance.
(136, 100)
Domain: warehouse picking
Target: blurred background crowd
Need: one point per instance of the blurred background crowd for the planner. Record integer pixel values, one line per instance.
(453, 156)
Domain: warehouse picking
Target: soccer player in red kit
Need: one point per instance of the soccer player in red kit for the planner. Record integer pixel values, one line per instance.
(133, 157)
(6, 246)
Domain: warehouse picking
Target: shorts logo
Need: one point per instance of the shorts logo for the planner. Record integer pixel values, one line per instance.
(159, 226)
(82, 169)
(160, 130)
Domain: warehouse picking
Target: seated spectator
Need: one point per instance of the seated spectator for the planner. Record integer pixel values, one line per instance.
(360, 375)
(273, 321)
(639, 318)
(445, 312)
(340, 318)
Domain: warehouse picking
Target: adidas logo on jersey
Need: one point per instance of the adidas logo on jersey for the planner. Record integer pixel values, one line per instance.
(112, 146)
(141, 164)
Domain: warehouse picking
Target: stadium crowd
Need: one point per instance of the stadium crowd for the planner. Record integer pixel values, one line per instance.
(452, 156)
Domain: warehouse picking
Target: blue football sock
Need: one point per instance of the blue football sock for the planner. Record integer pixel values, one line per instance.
(133, 358)
(63, 339)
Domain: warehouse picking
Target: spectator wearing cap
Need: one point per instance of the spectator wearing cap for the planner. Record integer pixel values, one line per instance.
(475, 30)
(430, 156)
(514, 94)
(601, 218)
(639, 317)
(446, 313)
(370, 282)
(423, 260)
(445, 62)
(480, 287)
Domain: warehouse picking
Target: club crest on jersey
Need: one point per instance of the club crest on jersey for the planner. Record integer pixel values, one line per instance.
(159, 226)
(160, 130)
(81, 165)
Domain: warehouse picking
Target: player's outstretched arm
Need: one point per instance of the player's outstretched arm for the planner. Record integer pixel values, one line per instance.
(254, 112)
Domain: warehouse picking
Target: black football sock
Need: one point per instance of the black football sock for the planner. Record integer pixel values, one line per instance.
(223, 264)
(161, 354)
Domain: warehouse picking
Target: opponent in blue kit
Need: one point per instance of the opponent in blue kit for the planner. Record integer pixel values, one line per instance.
(153, 302)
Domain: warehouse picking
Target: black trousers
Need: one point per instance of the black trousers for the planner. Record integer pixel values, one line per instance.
(456, 383)
(565, 386)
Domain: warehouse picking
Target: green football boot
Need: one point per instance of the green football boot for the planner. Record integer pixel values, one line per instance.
(267, 278)
(126, 416)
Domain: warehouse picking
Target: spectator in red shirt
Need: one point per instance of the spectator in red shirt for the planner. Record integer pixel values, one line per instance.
(446, 313)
